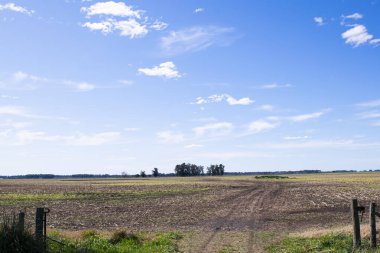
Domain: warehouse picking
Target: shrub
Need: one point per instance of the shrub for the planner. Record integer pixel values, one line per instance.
(14, 239)
(119, 236)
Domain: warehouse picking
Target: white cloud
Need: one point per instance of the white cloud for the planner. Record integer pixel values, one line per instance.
(375, 42)
(223, 97)
(131, 28)
(26, 136)
(198, 10)
(126, 82)
(105, 26)
(275, 86)
(304, 117)
(292, 138)
(214, 129)
(132, 129)
(354, 16)
(265, 108)
(370, 104)
(80, 86)
(370, 115)
(13, 110)
(195, 39)
(159, 25)
(319, 21)
(357, 35)
(4, 96)
(94, 139)
(242, 101)
(117, 16)
(166, 69)
(119, 9)
(260, 126)
(170, 137)
(15, 8)
(193, 146)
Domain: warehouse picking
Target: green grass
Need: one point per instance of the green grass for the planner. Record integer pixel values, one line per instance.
(120, 242)
(335, 242)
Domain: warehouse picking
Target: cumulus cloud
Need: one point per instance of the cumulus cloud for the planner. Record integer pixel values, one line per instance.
(319, 21)
(357, 36)
(170, 137)
(196, 38)
(15, 8)
(214, 129)
(166, 70)
(120, 17)
(223, 97)
(260, 126)
(119, 9)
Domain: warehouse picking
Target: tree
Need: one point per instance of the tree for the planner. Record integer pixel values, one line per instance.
(155, 172)
(124, 174)
(187, 170)
(215, 170)
(142, 173)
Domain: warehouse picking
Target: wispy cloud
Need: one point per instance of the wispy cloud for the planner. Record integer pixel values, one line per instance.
(259, 126)
(80, 86)
(214, 129)
(223, 97)
(319, 21)
(193, 146)
(198, 10)
(275, 86)
(354, 16)
(369, 104)
(196, 38)
(15, 8)
(304, 117)
(93, 139)
(170, 137)
(166, 69)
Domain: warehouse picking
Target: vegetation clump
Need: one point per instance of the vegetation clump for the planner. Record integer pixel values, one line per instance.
(271, 177)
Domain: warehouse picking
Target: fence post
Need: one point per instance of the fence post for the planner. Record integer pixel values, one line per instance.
(372, 223)
(356, 223)
(21, 221)
(39, 224)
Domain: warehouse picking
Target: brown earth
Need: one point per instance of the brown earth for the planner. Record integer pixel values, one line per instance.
(212, 207)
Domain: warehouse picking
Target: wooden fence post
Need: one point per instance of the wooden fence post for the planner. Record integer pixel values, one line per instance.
(356, 223)
(39, 224)
(372, 223)
(21, 221)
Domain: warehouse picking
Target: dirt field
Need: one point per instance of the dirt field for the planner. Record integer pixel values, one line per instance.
(215, 213)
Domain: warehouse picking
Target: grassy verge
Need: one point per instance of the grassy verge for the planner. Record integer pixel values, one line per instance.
(120, 242)
(335, 242)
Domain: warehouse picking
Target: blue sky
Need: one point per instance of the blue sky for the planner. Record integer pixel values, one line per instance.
(112, 86)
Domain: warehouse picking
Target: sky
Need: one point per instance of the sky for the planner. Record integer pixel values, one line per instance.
(89, 86)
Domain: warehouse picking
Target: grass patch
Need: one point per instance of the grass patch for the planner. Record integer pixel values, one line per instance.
(335, 242)
(120, 242)
(271, 177)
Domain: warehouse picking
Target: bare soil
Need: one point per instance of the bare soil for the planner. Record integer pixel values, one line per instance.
(213, 207)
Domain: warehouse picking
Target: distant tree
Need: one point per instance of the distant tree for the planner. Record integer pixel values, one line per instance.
(187, 170)
(155, 172)
(124, 174)
(215, 170)
(142, 173)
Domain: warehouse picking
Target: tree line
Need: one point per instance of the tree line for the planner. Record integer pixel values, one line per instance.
(188, 170)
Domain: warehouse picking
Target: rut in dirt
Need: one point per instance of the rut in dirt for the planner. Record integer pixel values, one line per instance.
(247, 212)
